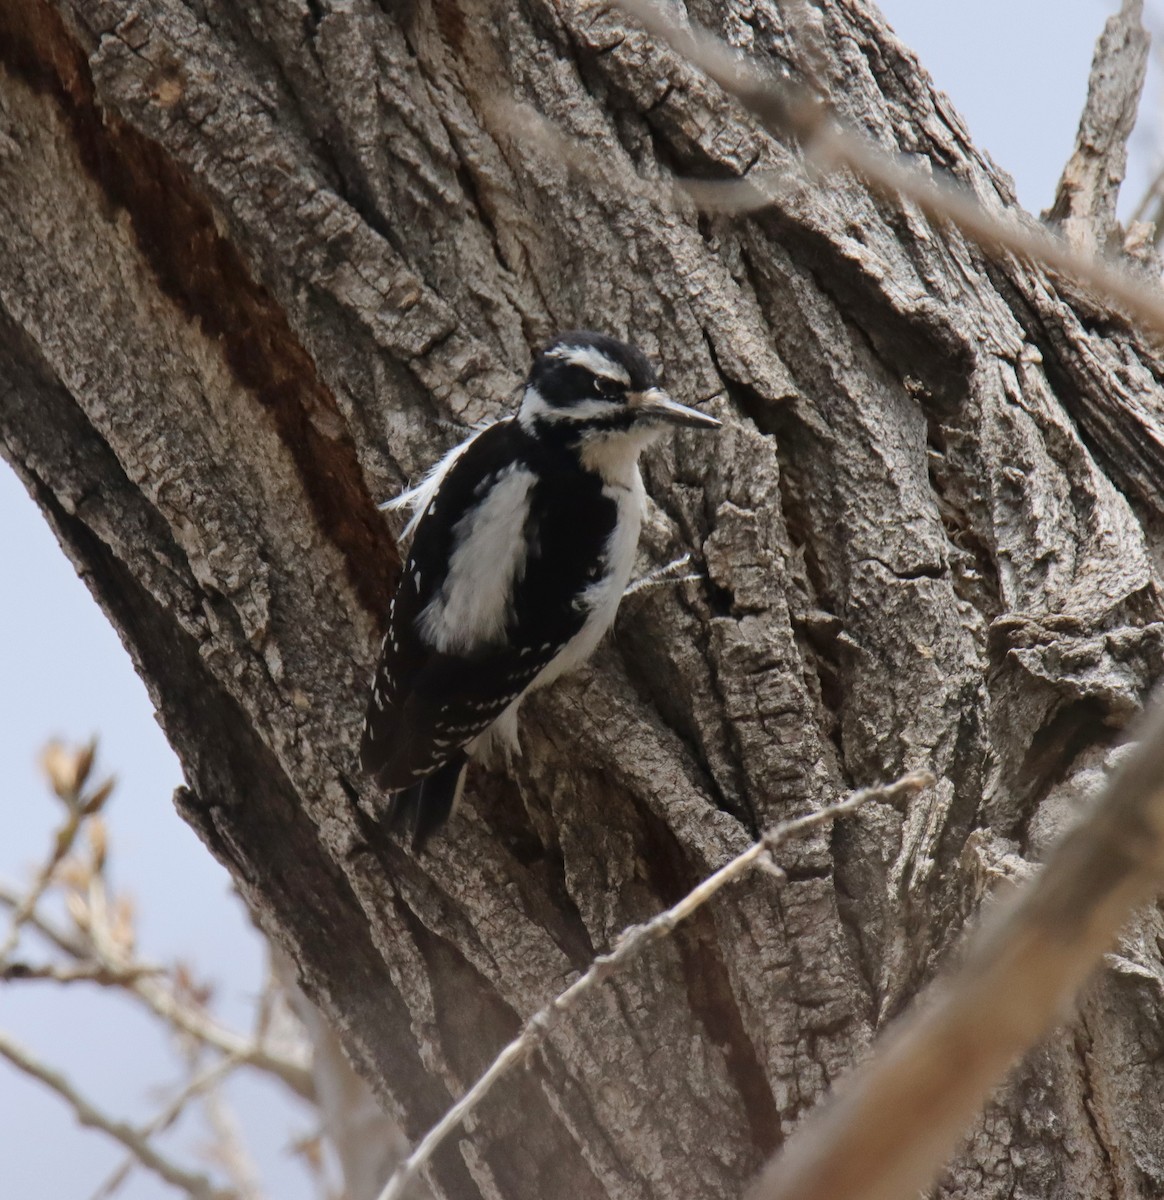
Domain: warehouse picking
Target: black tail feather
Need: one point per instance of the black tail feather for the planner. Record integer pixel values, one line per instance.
(425, 806)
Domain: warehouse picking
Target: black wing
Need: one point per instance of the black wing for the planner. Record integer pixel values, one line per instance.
(448, 703)
(426, 704)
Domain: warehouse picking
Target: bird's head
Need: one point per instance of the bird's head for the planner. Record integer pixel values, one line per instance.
(585, 386)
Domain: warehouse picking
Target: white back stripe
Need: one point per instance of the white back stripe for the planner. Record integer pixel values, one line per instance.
(489, 552)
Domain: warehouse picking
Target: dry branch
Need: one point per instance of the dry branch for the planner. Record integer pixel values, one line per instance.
(1085, 199)
(100, 949)
(68, 774)
(195, 1185)
(99, 973)
(162, 1120)
(98, 963)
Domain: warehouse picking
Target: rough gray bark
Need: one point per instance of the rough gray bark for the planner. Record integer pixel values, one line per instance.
(256, 256)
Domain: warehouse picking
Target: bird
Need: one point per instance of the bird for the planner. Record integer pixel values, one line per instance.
(523, 541)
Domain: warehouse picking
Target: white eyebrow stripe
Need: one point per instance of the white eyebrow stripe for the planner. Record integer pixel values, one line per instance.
(534, 408)
(593, 360)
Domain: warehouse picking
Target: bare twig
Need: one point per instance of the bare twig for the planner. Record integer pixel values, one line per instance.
(141, 982)
(62, 843)
(100, 948)
(66, 940)
(195, 1185)
(161, 1121)
(226, 1149)
(82, 972)
(1085, 200)
(97, 963)
(897, 1119)
(791, 112)
(160, 999)
(67, 772)
(630, 943)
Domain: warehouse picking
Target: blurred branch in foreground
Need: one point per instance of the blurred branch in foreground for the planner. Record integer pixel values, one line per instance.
(896, 1120)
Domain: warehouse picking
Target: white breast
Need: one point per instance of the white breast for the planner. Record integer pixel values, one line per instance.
(473, 605)
(616, 460)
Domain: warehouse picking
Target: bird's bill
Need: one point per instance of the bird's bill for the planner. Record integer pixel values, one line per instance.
(656, 404)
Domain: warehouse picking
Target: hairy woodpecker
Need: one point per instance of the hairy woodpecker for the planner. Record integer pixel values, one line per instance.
(524, 537)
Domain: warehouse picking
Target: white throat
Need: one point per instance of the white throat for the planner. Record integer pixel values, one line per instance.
(614, 456)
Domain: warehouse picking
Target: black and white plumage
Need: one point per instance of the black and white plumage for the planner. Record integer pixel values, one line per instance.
(524, 537)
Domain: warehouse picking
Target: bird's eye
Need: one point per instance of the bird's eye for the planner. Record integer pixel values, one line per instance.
(606, 388)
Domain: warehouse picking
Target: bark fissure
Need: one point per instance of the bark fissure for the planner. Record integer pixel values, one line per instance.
(203, 273)
(709, 989)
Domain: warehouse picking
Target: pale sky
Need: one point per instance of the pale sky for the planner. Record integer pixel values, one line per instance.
(1015, 69)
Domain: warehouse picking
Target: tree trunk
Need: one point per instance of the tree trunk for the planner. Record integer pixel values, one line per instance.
(262, 260)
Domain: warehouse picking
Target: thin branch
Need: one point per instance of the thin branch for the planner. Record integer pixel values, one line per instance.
(897, 1118)
(1085, 199)
(67, 772)
(787, 111)
(161, 1000)
(67, 941)
(195, 1185)
(82, 972)
(101, 950)
(630, 943)
(162, 1120)
(63, 841)
(139, 981)
(227, 1149)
